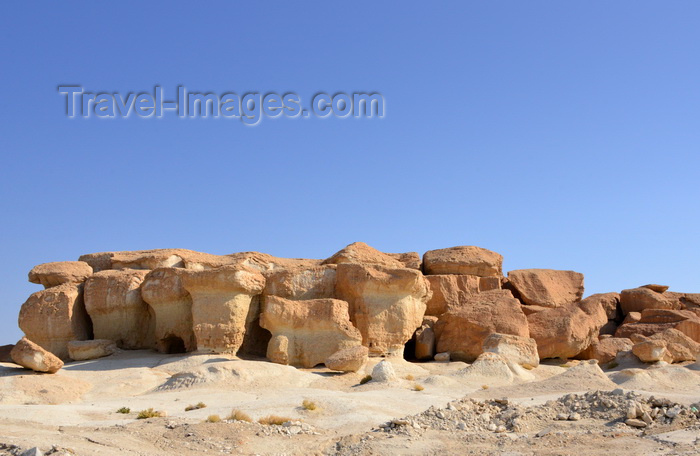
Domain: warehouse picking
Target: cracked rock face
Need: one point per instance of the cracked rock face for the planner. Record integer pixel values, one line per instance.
(307, 332)
(387, 305)
(221, 306)
(547, 287)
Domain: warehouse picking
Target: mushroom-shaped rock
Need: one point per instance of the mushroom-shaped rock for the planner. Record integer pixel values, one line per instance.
(516, 349)
(54, 316)
(221, 306)
(462, 331)
(547, 287)
(113, 301)
(386, 304)
(313, 330)
(639, 299)
(81, 350)
(30, 355)
(361, 253)
(564, 332)
(468, 260)
(605, 350)
(53, 274)
(172, 308)
(316, 282)
(348, 359)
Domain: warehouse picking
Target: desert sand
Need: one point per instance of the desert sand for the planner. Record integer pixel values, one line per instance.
(461, 409)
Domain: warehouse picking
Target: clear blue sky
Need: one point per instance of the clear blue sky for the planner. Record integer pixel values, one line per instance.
(561, 134)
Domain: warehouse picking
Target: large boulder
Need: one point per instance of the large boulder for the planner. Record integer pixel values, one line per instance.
(5, 353)
(113, 302)
(446, 289)
(610, 303)
(54, 316)
(639, 299)
(223, 306)
(313, 329)
(316, 282)
(462, 331)
(361, 253)
(162, 289)
(348, 359)
(516, 349)
(386, 304)
(670, 345)
(31, 356)
(425, 343)
(564, 332)
(605, 350)
(547, 287)
(139, 259)
(653, 321)
(469, 260)
(81, 350)
(53, 274)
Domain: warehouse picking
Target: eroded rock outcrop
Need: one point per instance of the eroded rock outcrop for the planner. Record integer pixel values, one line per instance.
(31, 356)
(653, 321)
(386, 304)
(462, 331)
(547, 287)
(316, 282)
(53, 317)
(605, 350)
(670, 345)
(58, 273)
(113, 302)
(463, 260)
(305, 333)
(516, 349)
(223, 306)
(640, 299)
(361, 253)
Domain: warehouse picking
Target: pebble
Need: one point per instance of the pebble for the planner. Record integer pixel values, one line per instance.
(492, 427)
(562, 417)
(574, 417)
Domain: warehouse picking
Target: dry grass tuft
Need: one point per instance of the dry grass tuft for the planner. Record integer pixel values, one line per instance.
(365, 379)
(418, 387)
(124, 410)
(273, 419)
(410, 377)
(484, 387)
(200, 405)
(149, 413)
(309, 405)
(237, 415)
(213, 419)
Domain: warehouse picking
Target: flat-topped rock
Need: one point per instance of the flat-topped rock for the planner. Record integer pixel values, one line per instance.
(465, 260)
(547, 287)
(58, 273)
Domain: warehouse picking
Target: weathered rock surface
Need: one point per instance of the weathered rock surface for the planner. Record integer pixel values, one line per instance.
(5, 353)
(348, 359)
(656, 288)
(462, 331)
(387, 305)
(384, 372)
(317, 282)
(223, 308)
(425, 343)
(463, 260)
(162, 289)
(361, 253)
(547, 287)
(446, 289)
(53, 274)
(516, 349)
(30, 355)
(564, 332)
(91, 349)
(54, 316)
(639, 299)
(113, 302)
(610, 303)
(652, 321)
(670, 345)
(314, 329)
(651, 351)
(605, 350)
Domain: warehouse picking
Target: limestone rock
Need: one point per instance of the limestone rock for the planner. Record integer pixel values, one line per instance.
(262, 262)
(361, 253)
(5, 353)
(564, 332)
(656, 288)
(384, 372)
(314, 329)
(387, 305)
(348, 359)
(54, 316)
(223, 306)
(446, 289)
(307, 283)
(91, 349)
(610, 303)
(30, 355)
(651, 351)
(443, 357)
(652, 321)
(462, 331)
(425, 343)
(605, 350)
(469, 260)
(113, 302)
(547, 287)
(639, 299)
(162, 289)
(140, 259)
(515, 349)
(53, 274)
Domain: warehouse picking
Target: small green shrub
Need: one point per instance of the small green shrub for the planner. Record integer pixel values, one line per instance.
(124, 410)
(365, 379)
(149, 413)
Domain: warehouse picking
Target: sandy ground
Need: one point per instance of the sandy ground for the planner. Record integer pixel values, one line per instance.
(75, 410)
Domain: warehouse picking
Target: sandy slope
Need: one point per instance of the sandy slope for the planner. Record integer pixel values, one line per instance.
(76, 408)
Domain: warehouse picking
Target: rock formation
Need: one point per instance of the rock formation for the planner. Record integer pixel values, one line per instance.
(547, 287)
(91, 349)
(30, 355)
(53, 274)
(464, 260)
(348, 359)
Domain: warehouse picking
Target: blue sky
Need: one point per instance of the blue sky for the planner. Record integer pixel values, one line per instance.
(562, 135)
